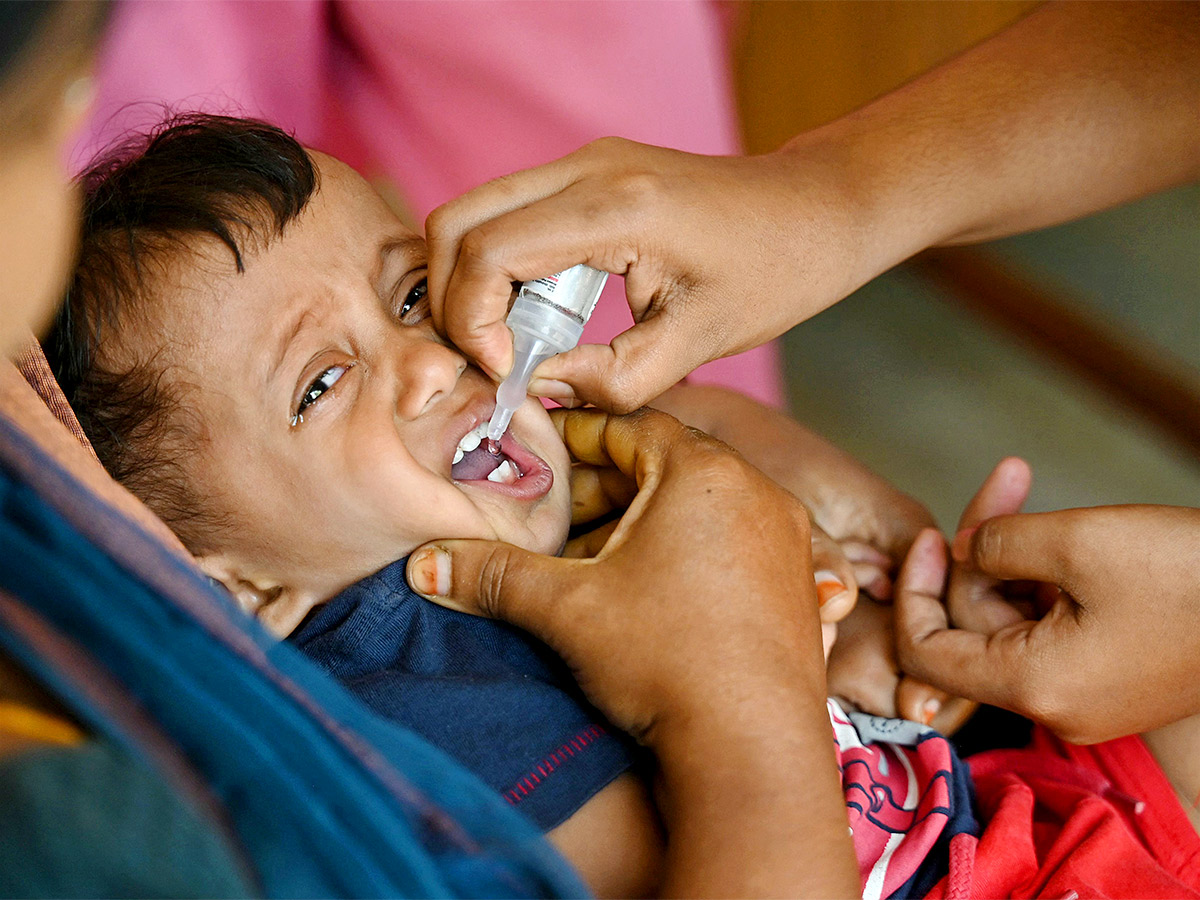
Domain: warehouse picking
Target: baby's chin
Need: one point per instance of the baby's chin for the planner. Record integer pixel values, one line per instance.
(547, 527)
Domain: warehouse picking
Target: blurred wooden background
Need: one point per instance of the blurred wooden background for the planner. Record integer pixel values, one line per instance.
(1061, 346)
(801, 63)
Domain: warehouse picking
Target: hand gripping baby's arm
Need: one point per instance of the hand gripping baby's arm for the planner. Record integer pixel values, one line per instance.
(873, 522)
(863, 527)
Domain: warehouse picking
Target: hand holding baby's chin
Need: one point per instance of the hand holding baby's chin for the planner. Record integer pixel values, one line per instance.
(696, 604)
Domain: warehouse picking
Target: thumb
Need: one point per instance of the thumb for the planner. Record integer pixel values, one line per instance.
(1024, 547)
(492, 579)
(639, 365)
(963, 663)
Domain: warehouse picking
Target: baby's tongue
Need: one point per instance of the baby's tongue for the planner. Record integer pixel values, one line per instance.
(476, 465)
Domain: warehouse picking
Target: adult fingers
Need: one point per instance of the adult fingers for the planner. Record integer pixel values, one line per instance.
(837, 589)
(594, 438)
(637, 444)
(494, 580)
(1027, 546)
(638, 364)
(518, 247)
(973, 598)
(987, 669)
(590, 543)
(597, 491)
(447, 225)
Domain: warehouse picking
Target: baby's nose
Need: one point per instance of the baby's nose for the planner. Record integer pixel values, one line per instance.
(427, 372)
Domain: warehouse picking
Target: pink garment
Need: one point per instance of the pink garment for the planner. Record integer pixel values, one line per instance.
(439, 97)
(902, 803)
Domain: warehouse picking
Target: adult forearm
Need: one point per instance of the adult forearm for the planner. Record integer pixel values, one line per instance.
(1076, 108)
(744, 822)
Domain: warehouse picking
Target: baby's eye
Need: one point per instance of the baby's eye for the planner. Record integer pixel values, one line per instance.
(320, 385)
(415, 302)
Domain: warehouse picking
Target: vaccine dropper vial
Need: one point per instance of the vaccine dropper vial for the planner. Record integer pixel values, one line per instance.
(547, 318)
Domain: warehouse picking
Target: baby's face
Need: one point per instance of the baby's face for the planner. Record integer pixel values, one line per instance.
(334, 412)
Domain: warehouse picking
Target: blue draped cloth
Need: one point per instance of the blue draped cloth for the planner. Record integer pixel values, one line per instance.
(321, 796)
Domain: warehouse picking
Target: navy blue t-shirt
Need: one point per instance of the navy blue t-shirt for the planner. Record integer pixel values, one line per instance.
(488, 694)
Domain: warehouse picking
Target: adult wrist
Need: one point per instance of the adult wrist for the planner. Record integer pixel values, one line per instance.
(736, 718)
(722, 775)
(876, 206)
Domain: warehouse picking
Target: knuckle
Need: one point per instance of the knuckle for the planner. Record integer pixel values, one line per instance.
(988, 544)
(491, 582)
(1074, 544)
(640, 195)
(605, 145)
(619, 400)
(716, 461)
(438, 223)
(620, 391)
(609, 147)
(475, 244)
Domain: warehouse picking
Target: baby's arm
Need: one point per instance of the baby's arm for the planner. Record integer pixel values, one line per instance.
(615, 840)
(872, 524)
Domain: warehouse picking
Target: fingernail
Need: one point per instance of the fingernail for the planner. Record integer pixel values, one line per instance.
(828, 586)
(429, 572)
(930, 709)
(552, 388)
(960, 549)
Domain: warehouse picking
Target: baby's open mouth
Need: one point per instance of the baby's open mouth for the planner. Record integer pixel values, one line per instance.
(474, 462)
(515, 471)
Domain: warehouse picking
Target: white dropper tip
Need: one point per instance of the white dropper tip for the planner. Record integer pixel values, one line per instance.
(499, 422)
(527, 356)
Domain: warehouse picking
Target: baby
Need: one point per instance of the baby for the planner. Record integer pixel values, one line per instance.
(247, 343)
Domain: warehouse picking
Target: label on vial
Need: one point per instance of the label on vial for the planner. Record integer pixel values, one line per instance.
(574, 292)
(543, 297)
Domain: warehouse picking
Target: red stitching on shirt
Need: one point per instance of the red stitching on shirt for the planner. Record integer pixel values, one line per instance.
(526, 784)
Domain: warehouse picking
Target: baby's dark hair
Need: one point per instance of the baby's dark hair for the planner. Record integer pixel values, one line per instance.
(238, 180)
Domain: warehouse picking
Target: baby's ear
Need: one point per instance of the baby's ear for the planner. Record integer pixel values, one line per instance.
(279, 607)
(251, 594)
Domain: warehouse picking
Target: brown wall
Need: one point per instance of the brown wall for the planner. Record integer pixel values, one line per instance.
(800, 63)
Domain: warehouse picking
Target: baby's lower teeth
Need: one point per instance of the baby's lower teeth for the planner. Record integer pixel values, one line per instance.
(505, 473)
(458, 455)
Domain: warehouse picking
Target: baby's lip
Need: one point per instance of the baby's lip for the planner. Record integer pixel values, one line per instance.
(536, 476)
